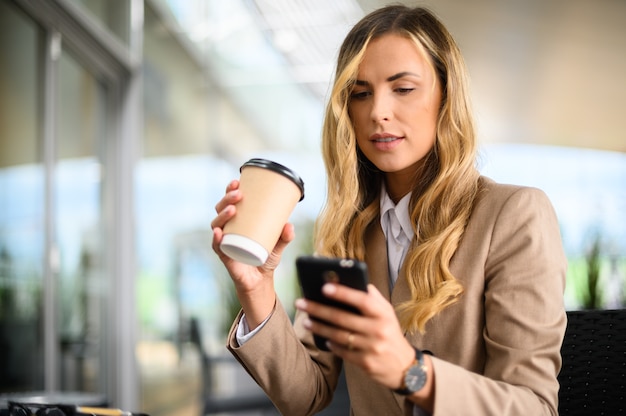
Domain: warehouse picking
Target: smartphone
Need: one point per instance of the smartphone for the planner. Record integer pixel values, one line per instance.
(314, 272)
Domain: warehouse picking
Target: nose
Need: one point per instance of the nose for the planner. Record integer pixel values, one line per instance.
(381, 108)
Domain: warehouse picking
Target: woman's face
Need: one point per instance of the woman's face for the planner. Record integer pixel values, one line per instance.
(394, 106)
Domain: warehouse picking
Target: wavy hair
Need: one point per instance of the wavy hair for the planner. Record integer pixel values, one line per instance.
(443, 195)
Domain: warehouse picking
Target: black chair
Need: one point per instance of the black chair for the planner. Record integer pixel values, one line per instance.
(593, 375)
(212, 404)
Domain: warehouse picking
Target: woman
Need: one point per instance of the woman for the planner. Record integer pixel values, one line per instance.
(464, 313)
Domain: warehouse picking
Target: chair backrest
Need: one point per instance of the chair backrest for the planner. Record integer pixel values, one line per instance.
(248, 402)
(593, 376)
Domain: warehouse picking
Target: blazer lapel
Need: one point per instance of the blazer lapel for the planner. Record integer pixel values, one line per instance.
(401, 291)
(376, 258)
(377, 264)
(378, 267)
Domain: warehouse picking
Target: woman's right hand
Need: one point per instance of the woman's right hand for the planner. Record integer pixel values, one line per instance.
(254, 285)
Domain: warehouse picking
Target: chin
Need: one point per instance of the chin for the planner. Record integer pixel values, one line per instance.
(392, 167)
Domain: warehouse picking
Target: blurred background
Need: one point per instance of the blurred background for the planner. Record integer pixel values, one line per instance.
(122, 121)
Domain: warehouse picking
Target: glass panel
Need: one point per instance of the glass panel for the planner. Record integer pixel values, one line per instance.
(172, 240)
(238, 52)
(22, 216)
(82, 286)
(587, 189)
(190, 127)
(113, 14)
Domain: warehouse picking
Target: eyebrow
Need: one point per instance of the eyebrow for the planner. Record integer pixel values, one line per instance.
(390, 79)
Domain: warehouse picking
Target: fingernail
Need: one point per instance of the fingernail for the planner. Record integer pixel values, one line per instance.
(300, 304)
(329, 289)
(307, 323)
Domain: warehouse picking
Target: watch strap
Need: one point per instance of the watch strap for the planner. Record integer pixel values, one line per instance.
(419, 361)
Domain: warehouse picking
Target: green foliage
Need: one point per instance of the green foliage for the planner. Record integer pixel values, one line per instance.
(594, 292)
(584, 277)
(231, 304)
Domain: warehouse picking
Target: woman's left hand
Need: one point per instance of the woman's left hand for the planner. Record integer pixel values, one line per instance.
(373, 341)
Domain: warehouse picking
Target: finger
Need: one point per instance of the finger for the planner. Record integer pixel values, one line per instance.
(345, 294)
(218, 234)
(232, 185)
(370, 303)
(223, 216)
(338, 338)
(287, 235)
(375, 299)
(349, 343)
(230, 198)
(334, 317)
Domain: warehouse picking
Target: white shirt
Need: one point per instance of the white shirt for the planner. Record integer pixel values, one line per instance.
(396, 224)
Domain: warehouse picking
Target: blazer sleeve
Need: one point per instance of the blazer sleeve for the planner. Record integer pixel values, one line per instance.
(525, 318)
(297, 380)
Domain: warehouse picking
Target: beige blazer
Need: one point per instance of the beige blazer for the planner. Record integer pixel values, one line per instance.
(496, 351)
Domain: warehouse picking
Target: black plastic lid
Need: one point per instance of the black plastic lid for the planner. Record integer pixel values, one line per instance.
(278, 168)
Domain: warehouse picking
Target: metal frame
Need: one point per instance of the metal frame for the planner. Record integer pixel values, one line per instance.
(118, 65)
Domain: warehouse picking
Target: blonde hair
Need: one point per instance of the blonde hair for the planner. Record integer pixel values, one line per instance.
(443, 195)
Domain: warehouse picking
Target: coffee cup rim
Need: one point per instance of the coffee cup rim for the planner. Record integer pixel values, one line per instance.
(278, 168)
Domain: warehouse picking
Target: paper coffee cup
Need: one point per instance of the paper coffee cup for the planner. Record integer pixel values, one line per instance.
(270, 193)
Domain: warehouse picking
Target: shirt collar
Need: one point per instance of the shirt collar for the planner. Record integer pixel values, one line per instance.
(401, 210)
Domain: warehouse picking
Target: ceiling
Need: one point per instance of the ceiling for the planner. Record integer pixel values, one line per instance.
(543, 72)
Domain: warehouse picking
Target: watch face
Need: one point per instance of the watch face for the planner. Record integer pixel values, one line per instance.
(415, 378)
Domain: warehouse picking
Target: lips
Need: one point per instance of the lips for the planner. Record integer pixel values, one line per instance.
(385, 141)
(383, 137)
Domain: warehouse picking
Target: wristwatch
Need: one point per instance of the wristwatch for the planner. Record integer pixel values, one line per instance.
(414, 376)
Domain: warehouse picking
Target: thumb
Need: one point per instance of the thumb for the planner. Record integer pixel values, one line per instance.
(374, 291)
(286, 236)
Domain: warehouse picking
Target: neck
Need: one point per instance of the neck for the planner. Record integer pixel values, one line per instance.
(396, 196)
(402, 182)
(398, 185)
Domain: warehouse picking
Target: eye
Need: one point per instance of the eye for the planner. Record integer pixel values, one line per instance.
(360, 95)
(404, 91)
